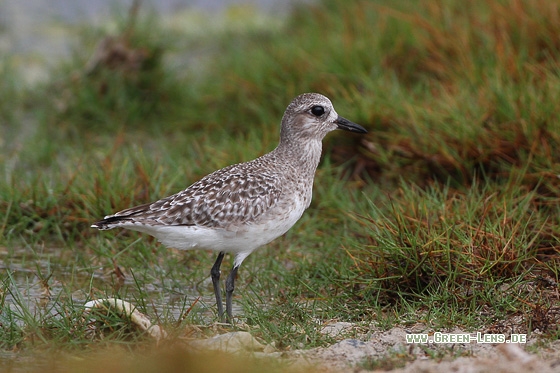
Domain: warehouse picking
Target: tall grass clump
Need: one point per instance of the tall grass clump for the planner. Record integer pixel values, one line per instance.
(455, 243)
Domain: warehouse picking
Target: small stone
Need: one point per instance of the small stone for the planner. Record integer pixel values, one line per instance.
(337, 329)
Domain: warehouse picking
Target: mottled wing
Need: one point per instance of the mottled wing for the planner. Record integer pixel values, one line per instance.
(230, 196)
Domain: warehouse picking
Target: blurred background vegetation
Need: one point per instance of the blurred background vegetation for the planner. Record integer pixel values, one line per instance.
(446, 213)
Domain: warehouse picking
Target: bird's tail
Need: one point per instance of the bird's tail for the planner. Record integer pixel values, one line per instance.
(110, 222)
(121, 218)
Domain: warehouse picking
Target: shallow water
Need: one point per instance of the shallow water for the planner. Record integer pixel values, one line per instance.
(43, 283)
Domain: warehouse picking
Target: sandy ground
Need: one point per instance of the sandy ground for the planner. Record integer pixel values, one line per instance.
(361, 348)
(388, 351)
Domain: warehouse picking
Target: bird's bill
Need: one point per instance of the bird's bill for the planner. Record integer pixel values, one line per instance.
(345, 124)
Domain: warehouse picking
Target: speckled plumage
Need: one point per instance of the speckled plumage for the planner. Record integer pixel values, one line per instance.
(225, 199)
(242, 207)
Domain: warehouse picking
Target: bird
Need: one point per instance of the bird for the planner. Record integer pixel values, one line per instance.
(242, 207)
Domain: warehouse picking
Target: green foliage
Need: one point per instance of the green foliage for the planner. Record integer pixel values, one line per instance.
(445, 214)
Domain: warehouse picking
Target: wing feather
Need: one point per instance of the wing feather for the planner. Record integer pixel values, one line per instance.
(231, 196)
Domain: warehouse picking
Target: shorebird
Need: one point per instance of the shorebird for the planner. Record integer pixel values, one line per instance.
(242, 207)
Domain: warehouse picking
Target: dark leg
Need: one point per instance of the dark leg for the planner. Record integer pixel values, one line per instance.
(230, 286)
(215, 273)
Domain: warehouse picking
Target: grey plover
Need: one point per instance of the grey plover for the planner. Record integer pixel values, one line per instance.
(244, 206)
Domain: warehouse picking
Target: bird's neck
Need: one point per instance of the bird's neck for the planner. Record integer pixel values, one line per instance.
(301, 155)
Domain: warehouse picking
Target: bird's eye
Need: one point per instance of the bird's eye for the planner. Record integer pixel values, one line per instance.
(317, 110)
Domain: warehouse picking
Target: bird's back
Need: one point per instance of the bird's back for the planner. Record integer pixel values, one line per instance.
(234, 196)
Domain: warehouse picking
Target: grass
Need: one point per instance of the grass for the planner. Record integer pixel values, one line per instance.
(446, 213)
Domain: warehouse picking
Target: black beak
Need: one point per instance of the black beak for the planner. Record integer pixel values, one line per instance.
(345, 124)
